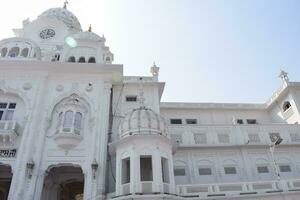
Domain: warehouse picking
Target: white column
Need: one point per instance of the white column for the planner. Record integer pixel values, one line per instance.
(157, 172)
(171, 174)
(119, 174)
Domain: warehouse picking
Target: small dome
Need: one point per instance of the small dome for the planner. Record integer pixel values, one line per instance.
(63, 15)
(87, 35)
(142, 121)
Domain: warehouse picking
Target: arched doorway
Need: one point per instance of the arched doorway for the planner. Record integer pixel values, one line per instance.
(63, 183)
(5, 181)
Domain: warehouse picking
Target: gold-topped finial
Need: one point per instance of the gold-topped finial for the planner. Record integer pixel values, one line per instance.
(65, 4)
(90, 28)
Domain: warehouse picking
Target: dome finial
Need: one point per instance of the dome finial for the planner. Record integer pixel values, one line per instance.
(284, 76)
(141, 98)
(90, 28)
(65, 4)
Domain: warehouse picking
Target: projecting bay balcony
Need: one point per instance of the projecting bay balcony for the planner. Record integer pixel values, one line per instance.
(238, 189)
(8, 132)
(233, 135)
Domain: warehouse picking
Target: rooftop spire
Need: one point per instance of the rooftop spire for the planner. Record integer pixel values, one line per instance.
(284, 76)
(65, 4)
(90, 28)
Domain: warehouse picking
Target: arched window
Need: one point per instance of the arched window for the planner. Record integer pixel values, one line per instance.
(25, 52)
(92, 60)
(77, 122)
(286, 106)
(71, 59)
(14, 52)
(68, 120)
(81, 60)
(3, 52)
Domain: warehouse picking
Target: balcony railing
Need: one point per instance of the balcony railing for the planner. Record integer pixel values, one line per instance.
(228, 135)
(242, 188)
(8, 132)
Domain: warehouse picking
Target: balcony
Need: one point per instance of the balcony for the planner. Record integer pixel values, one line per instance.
(236, 189)
(67, 137)
(8, 132)
(233, 135)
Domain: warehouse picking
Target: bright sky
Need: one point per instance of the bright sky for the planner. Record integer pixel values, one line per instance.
(207, 50)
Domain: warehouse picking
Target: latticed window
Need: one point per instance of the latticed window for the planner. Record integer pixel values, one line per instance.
(223, 138)
(70, 121)
(205, 171)
(179, 171)
(77, 122)
(176, 138)
(7, 110)
(253, 137)
(262, 169)
(200, 138)
(230, 170)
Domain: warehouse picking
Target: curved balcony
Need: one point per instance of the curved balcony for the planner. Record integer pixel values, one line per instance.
(68, 137)
(8, 132)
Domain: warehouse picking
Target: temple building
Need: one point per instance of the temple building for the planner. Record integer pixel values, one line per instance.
(72, 126)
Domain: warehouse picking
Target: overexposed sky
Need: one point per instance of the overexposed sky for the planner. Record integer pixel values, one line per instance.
(208, 50)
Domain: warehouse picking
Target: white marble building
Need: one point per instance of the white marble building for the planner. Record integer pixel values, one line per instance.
(73, 127)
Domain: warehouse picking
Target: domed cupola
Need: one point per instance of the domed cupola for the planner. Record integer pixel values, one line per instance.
(88, 36)
(142, 120)
(62, 14)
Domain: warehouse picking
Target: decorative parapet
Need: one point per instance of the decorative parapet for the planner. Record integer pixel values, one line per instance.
(8, 153)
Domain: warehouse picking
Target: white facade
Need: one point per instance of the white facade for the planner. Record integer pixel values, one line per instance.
(73, 127)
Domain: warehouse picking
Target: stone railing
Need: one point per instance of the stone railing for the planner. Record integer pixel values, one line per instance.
(8, 153)
(242, 188)
(228, 135)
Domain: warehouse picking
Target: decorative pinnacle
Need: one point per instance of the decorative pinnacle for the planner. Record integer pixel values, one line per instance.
(90, 28)
(154, 70)
(65, 4)
(141, 98)
(284, 76)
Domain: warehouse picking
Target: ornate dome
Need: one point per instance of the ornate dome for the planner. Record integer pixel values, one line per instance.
(142, 121)
(63, 15)
(88, 35)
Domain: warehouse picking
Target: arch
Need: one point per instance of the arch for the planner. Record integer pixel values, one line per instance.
(205, 162)
(63, 97)
(25, 52)
(3, 52)
(18, 94)
(261, 161)
(81, 60)
(229, 162)
(71, 59)
(92, 60)
(286, 105)
(14, 52)
(180, 163)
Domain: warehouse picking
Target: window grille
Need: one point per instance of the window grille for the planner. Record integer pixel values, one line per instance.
(262, 169)
(230, 170)
(205, 171)
(179, 171)
(253, 138)
(200, 138)
(176, 138)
